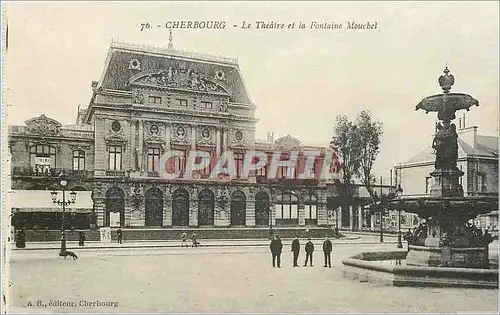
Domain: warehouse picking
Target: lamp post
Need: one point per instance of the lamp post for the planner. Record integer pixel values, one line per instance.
(381, 213)
(270, 209)
(63, 181)
(399, 193)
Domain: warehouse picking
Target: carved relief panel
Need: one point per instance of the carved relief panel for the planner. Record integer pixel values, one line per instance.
(205, 136)
(180, 134)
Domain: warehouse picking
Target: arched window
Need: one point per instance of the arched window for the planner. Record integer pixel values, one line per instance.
(206, 205)
(261, 208)
(115, 207)
(287, 209)
(42, 159)
(238, 208)
(311, 211)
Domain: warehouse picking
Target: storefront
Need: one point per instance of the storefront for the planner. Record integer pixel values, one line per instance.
(33, 209)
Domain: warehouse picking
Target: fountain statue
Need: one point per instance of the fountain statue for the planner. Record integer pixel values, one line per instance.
(447, 239)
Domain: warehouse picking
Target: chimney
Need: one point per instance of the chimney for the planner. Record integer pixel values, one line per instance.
(94, 85)
(469, 135)
(463, 121)
(459, 123)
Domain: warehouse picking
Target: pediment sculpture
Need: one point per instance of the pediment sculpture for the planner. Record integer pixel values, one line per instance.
(43, 125)
(180, 135)
(205, 138)
(178, 78)
(287, 143)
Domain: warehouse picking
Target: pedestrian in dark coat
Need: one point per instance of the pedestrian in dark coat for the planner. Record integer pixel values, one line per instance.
(309, 252)
(81, 239)
(327, 251)
(119, 233)
(296, 251)
(276, 247)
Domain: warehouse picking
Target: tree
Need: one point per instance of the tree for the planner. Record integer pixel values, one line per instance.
(345, 145)
(356, 145)
(370, 135)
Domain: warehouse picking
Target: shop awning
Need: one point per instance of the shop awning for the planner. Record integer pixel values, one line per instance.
(41, 201)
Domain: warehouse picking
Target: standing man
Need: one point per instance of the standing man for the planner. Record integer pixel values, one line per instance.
(295, 250)
(309, 252)
(276, 247)
(81, 239)
(119, 233)
(327, 251)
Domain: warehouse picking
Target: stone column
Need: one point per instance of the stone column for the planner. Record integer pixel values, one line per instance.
(351, 218)
(302, 214)
(132, 139)
(167, 210)
(100, 210)
(372, 222)
(360, 218)
(140, 146)
(250, 212)
(217, 142)
(167, 137)
(193, 137)
(339, 217)
(128, 213)
(193, 212)
(321, 209)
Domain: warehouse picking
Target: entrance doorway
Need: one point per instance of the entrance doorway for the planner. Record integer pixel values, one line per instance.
(154, 207)
(238, 208)
(180, 208)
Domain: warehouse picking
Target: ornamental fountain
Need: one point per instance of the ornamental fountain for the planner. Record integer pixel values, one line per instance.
(445, 250)
(446, 238)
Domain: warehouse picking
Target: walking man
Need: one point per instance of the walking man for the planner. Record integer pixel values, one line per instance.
(183, 238)
(327, 251)
(295, 250)
(276, 247)
(194, 238)
(309, 252)
(119, 233)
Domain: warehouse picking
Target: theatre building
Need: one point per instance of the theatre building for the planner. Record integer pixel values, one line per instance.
(150, 101)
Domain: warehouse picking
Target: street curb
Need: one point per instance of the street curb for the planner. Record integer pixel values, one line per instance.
(177, 246)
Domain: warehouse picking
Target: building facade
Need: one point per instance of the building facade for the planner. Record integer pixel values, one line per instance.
(150, 101)
(477, 158)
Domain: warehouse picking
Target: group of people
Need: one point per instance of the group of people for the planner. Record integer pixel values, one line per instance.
(276, 247)
(194, 240)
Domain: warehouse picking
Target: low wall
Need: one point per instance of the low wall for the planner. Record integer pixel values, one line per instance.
(142, 234)
(366, 267)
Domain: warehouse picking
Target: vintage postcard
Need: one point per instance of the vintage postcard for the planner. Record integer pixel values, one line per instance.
(250, 157)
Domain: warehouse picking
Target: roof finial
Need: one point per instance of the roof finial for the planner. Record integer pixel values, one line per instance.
(170, 44)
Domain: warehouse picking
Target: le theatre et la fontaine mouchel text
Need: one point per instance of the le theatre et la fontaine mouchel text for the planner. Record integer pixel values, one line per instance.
(313, 25)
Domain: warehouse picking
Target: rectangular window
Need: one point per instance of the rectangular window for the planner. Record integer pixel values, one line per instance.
(262, 171)
(294, 211)
(310, 212)
(182, 102)
(153, 159)
(279, 212)
(238, 161)
(481, 180)
(115, 158)
(78, 160)
(205, 165)
(180, 163)
(42, 159)
(155, 99)
(286, 211)
(207, 105)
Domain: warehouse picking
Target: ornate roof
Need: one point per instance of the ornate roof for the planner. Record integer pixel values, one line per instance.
(129, 64)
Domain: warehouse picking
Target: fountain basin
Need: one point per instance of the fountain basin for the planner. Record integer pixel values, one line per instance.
(468, 257)
(366, 267)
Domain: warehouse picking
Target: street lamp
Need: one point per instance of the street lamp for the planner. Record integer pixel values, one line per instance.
(63, 181)
(399, 194)
(270, 209)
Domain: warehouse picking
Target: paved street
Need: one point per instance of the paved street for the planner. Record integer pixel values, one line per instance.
(216, 279)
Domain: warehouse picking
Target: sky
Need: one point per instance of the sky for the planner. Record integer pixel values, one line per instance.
(299, 79)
